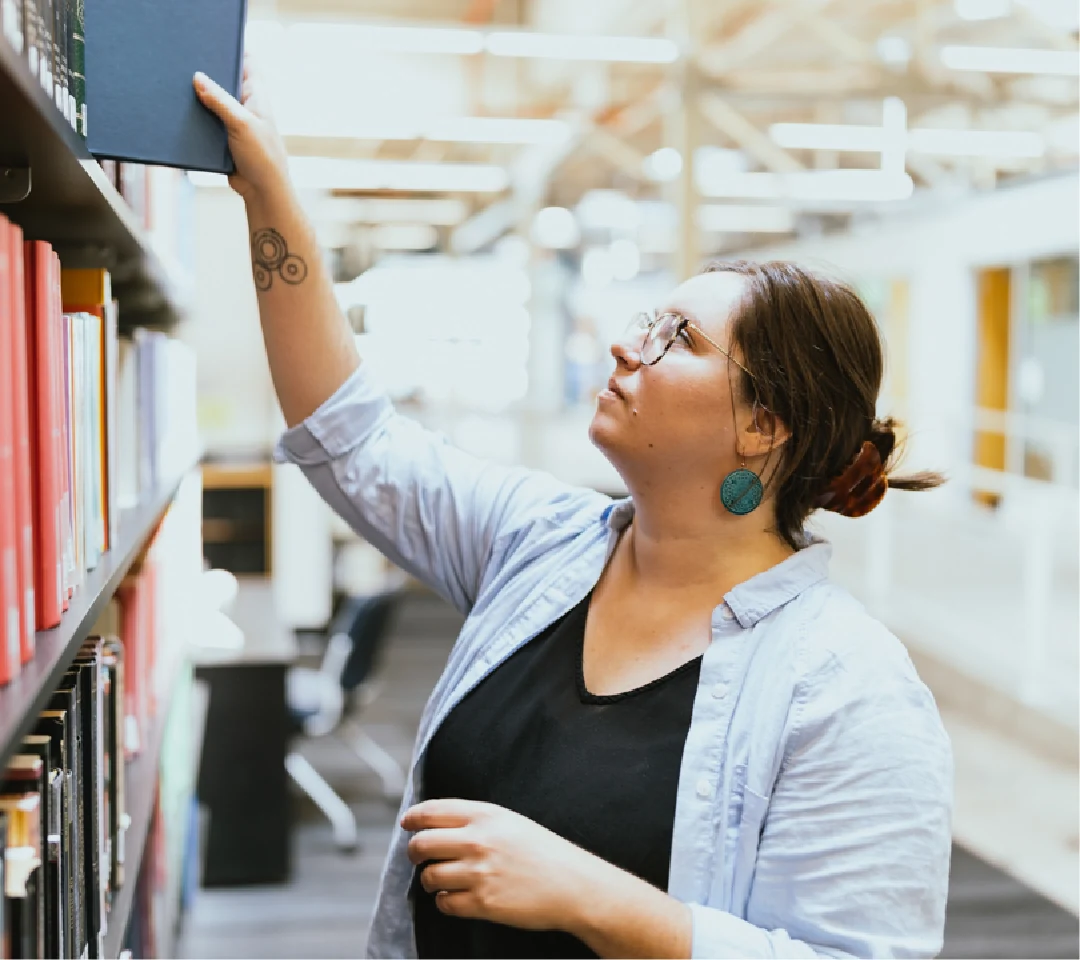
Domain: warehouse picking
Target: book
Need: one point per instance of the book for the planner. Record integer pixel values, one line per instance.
(45, 448)
(24, 925)
(24, 509)
(11, 18)
(58, 725)
(10, 603)
(59, 55)
(140, 85)
(77, 65)
(49, 751)
(26, 774)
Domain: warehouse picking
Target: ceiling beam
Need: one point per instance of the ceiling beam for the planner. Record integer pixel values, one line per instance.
(737, 128)
(758, 35)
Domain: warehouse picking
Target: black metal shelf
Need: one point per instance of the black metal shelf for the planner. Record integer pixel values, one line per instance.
(72, 204)
(27, 695)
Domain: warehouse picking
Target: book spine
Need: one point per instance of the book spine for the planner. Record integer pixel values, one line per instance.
(45, 44)
(62, 382)
(44, 437)
(10, 618)
(13, 24)
(23, 483)
(59, 56)
(78, 65)
(32, 37)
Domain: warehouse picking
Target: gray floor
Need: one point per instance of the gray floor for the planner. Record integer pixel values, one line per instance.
(325, 910)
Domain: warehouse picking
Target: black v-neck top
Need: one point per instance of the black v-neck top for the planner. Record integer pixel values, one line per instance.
(602, 772)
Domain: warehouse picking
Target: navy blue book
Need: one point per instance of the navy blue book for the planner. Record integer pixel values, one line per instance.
(140, 58)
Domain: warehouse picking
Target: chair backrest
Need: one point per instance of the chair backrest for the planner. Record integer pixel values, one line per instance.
(364, 621)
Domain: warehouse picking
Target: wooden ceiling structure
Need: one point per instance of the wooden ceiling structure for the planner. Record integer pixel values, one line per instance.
(745, 65)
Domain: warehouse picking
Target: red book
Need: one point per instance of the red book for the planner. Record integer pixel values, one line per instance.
(10, 620)
(45, 449)
(24, 508)
(65, 457)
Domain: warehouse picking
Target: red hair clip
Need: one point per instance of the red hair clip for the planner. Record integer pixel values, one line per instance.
(860, 488)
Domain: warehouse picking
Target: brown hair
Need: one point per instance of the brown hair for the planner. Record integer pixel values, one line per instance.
(816, 361)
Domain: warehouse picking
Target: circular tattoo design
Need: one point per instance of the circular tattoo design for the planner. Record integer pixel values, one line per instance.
(269, 248)
(293, 269)
(264, 279)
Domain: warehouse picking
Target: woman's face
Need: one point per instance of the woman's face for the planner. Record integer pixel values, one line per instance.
(672, 421)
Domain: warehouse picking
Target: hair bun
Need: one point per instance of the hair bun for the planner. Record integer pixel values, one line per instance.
(863, 485)
(883, 436)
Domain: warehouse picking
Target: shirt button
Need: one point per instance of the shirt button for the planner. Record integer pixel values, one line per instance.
(720, 690)
(704, 789)
(727, 613)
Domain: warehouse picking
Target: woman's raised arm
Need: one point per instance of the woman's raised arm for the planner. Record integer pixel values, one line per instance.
(308, 342)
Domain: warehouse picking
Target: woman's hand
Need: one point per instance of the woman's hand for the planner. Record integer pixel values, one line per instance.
(257, 149)
(489, 863)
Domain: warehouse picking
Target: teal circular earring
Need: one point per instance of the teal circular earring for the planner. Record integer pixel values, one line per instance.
(741, 492)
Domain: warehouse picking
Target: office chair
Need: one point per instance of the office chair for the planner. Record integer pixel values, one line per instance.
(325, 701)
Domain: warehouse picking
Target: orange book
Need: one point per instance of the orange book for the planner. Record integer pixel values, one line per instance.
(10, 619)
(24, 500)
(43, 368)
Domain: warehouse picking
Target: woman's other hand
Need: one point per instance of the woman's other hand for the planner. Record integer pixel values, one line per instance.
(256, 146)
(486, 862)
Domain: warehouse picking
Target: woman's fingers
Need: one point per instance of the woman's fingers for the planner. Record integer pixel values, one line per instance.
(446, 876)
(216, 99)
(447, 812)
(451, 844)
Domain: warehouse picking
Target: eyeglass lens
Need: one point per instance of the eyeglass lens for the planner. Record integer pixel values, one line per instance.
(659, 337)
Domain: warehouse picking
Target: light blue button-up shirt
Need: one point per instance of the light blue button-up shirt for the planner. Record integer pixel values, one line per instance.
(814, 797)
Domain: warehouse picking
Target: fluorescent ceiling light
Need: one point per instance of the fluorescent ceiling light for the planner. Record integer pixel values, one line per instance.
(745, 218)
(401, 38)
(564, 46)
(452, 129)
(976, 143)
(982, 9)
(828, 136)
(378, 38)
(326, 173)
(827, 185)
(946, 143)
(663, 165)
(1063, 63)
(442, 212)
(498, 130)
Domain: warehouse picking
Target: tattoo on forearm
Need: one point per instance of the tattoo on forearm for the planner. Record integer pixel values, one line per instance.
(270, 255)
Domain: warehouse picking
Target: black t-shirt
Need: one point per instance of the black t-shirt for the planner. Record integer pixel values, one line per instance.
(602, 772)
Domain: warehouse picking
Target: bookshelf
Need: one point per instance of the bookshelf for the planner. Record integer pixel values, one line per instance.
(73, 205)
(26, 696)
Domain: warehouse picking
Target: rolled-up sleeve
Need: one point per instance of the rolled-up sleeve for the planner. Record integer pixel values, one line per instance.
(433, 509)
(853, 852)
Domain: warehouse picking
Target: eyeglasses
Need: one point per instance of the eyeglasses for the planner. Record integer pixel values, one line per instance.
(659, 334)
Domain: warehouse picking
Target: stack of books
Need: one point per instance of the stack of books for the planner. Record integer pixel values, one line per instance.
(63, 811)
(50, 35)
(90, 423)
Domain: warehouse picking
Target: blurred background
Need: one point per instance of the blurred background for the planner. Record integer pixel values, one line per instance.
(497, 186)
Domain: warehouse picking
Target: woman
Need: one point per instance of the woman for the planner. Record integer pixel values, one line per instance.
(662, 732)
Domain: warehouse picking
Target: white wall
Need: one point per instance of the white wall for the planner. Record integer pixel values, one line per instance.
(937, 246)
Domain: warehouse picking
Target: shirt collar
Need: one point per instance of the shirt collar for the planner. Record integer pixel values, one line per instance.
(756, 598)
